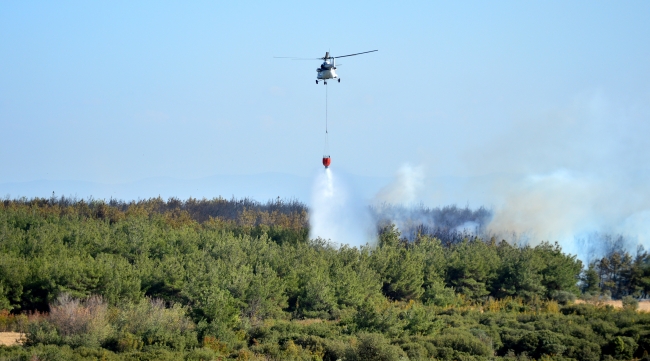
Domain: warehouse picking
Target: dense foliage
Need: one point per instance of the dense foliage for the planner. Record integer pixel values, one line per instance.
(230, 279)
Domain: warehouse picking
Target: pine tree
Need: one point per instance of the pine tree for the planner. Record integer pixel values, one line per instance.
(591, 280)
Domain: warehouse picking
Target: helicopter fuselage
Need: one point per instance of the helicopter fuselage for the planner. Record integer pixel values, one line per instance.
(327, 70)
(326, 74)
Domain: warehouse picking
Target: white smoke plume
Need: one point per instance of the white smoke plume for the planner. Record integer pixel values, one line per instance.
(572, 209)
(583, 173)
(337, 214)
(405, 189)
(395, 203)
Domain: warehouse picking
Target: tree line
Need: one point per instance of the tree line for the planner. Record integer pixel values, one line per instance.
(202, 279)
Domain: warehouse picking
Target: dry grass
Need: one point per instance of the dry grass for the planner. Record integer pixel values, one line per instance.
(643, 305)
(11, 338)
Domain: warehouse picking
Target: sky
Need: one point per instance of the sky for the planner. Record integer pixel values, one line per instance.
(121, 91)
(504, 104)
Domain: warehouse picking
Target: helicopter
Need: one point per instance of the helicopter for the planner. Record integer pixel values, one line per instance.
(327, 70)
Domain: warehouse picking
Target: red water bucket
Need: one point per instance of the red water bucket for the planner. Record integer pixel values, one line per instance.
(327, 161)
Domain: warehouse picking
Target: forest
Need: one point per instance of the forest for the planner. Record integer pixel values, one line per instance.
(218, 279)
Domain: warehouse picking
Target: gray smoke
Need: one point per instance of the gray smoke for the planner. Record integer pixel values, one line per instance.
(396, 204)
(405, 189)
(579, 172)
(579, 176)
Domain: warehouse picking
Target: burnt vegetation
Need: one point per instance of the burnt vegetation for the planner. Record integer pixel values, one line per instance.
(237, 279)
(449, 224)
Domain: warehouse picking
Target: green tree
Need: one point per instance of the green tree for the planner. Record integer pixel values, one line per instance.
(590, 280)
(472, 267)
(13, 274)
(639, 272)
(400, 268)
(519, 273)
(560, 271)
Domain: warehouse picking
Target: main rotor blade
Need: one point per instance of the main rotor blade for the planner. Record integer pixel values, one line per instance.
(295, 58)
(284, 57)
(365, 52)
(323, 58)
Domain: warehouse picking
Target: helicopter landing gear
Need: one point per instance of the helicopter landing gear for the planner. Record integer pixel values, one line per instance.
(339, 80)
(325, 82)
(316, 81)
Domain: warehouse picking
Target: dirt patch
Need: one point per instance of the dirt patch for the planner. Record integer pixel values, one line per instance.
(643, 305)
(11, 338)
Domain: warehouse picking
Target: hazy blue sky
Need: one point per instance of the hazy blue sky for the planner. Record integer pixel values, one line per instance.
(120, 91)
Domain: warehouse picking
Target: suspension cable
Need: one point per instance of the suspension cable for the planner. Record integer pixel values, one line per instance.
(326, 150)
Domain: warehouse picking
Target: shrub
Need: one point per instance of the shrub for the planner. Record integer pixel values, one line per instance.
(218, 347)
(563, 297)
(153, 353)
(55, 353)
(155, 324)
(126, 342)
(586, 310)
(437, 294)
(336, 350)
(51, 352)
(41, 333)
(630, 303)
(18, 323)
(201, 354)
(549, 343)
(590, 297)
(383, 318)
(415, 351)
(483, 336)
(374, 347)
(603, 328)
(621, 348)
(232, 339)
(95, 353)
(8, 321)
(72, 322)
(551, 306)
(464, 342)
(80, 323)
(580, 349)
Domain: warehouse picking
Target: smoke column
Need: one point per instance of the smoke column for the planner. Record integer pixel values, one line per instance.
(579, 175)
(395, 202)
(405, 189)
(578, 210)
(336, 214)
